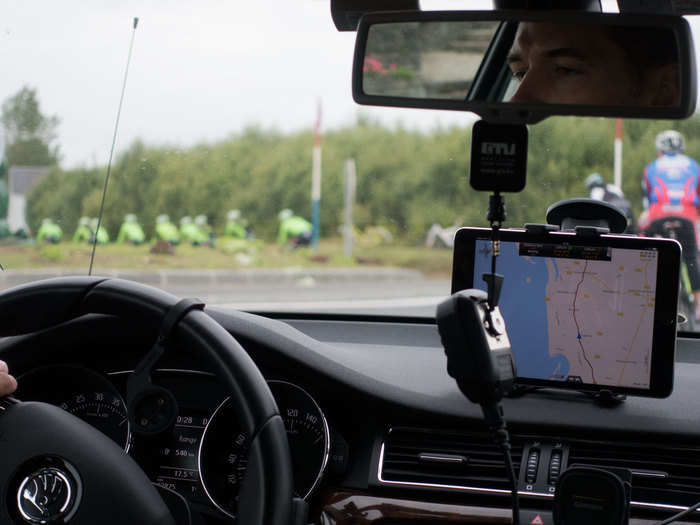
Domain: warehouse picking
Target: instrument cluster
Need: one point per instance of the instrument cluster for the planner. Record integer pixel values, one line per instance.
(202, 455)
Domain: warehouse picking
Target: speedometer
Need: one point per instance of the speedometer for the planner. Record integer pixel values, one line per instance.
(223, 449)
(307, 433)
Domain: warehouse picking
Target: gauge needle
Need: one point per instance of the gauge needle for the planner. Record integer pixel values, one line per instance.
(123, 421)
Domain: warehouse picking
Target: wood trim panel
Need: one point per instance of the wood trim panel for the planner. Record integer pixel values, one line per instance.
(344, 507)
(355, 508)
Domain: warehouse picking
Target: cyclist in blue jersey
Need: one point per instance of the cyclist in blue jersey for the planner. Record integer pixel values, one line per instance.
(671, 193)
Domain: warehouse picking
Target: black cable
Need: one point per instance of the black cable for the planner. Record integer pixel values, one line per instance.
(493, 414)
(680, 515)
(496, 214)
(513, 483)
(495, 247)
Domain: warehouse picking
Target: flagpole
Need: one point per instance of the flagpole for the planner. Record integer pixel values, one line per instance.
(618, 153)
(316, 181)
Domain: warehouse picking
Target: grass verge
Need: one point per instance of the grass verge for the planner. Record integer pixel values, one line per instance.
(432, 263)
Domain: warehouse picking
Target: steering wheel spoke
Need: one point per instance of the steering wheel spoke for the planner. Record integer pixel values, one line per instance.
(6, 402)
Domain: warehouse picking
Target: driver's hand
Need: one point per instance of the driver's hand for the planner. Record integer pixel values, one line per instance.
(8, 384)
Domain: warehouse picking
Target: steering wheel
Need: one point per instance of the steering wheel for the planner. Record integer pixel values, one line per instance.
(55, 468)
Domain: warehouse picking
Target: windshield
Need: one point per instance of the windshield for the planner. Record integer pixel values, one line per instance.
(244, 174)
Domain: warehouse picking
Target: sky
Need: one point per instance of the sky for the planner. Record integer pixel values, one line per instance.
(200, 71)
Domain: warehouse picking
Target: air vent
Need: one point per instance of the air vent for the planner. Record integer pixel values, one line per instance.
(463, 460)
(661, 474)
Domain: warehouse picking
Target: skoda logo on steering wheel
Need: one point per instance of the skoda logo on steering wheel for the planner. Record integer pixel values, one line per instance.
(46, 496)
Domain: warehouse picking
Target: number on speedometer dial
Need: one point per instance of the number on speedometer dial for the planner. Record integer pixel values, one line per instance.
(223, 450)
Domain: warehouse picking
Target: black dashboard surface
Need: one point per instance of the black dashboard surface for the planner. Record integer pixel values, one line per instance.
(398, 364)
(404, 364)
(369, 376)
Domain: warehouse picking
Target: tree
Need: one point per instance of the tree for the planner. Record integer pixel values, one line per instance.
(28, 132)
(406, 179)
(61, 196)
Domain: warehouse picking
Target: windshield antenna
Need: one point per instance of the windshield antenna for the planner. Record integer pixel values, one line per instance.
(111, 151)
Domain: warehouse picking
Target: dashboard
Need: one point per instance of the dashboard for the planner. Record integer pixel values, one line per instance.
(202, 455)
(379, 433)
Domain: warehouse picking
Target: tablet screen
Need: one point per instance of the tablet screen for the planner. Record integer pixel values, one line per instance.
(583, 314)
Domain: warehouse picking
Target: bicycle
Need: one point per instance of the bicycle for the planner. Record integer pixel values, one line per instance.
(675, 227)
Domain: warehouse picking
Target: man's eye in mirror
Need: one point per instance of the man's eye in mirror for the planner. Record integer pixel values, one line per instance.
(568, 71)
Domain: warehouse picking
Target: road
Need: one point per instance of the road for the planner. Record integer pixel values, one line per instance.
(376, 291)
(407, 298)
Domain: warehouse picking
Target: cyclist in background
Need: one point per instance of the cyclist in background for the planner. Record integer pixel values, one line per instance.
(235, 227)
(166, 231)
(671, 196)
(49, 231)
(131, 231)
(294, 231)
(83, 232)
(611, 194)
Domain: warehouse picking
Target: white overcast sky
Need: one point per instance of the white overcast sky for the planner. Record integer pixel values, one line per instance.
(201, 70)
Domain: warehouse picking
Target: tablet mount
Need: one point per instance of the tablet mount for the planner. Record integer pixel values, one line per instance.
(586, 217)
(603, 397)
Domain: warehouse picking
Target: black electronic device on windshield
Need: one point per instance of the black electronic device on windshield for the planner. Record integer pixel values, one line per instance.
(584, 313)
(498, 157)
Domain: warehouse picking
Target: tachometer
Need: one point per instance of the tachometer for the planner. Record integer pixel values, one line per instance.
(103, 410)
(83, 393)
(223, 449)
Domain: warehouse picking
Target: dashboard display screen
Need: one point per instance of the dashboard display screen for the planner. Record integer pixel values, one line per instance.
(170, 459)
(576, 313)
(177, 467)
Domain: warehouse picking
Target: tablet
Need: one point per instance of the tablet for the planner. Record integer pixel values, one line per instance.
(582, 313)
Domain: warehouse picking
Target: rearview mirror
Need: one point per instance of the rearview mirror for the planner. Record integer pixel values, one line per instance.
(522, 66)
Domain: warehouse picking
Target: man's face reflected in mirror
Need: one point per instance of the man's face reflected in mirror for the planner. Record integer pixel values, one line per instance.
(599, 65)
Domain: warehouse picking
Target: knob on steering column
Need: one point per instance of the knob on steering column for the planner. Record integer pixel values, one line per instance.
(569, 213)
